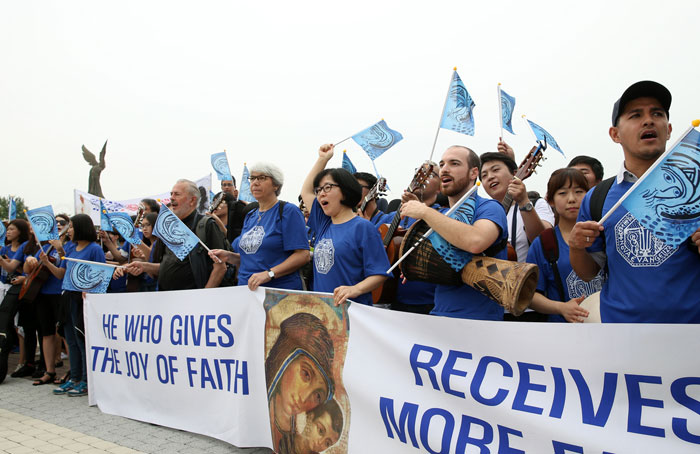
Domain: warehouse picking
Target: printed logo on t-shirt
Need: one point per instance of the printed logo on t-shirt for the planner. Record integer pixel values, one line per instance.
(638, 246)
(324, 255)
(578, 287)
(252, 239)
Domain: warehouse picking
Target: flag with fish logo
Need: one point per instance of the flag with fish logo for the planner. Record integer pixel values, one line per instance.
(666, 200)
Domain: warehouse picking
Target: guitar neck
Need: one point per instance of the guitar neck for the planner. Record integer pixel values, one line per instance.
(507, 202)
(393, 226)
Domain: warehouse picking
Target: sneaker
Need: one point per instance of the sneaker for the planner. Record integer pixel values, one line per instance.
(80, 389)
(64, 388)
(23, 371)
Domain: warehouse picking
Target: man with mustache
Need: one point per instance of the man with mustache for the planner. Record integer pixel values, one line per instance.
(649, 281)
(459, 170)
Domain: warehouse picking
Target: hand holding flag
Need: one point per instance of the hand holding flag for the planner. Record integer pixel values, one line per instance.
(175, 234)
(86, 276)
(666, 199)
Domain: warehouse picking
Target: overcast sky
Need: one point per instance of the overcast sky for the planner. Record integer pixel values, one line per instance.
(169, 83)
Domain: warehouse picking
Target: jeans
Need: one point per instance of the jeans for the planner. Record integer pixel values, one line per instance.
(75, 338)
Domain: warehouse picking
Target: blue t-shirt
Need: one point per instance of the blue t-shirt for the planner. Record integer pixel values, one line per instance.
(119, 285)
(381, 217)
(52, 285)
(266, 241)
(92, 252)
(573, 286)
(19, 255)
(6, 250)
(463, 301)
(345, 254)
(648, 281)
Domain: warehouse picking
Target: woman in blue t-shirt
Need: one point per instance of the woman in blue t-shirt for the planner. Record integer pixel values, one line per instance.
(10, 273)
(272, 245)
(349, 257)
(82, 233)
(565, 191)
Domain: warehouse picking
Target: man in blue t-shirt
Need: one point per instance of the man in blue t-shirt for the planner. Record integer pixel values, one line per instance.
(649, 281)
(459, 169)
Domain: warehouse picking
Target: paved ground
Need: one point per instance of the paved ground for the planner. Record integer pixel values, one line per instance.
(33, 420)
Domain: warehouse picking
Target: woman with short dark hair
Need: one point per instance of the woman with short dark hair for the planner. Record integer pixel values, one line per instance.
(349, 257)
(83, 236)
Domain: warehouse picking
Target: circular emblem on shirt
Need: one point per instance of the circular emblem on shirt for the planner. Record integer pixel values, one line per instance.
(252, 239)
(578, 287)
(324, 255)
(638, 246)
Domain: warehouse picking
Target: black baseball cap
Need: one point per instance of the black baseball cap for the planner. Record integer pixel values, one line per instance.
(643, 89)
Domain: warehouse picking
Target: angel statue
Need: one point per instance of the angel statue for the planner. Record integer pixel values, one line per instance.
(96, 169)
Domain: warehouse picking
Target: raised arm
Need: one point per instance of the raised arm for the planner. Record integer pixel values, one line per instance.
(325, 153)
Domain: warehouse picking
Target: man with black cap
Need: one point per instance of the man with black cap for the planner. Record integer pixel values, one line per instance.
(648, 281)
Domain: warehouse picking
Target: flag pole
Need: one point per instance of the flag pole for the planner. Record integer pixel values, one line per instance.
(646, 174)
(348, 138)
(447, 96)
(531, 131)
(430, 231)
(500, 112)
(91, 262)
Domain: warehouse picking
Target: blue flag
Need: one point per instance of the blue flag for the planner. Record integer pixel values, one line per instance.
(3, 231)
(454, 256)
(377, 139)
(87, 277)
(507, 107)
(244, 194)
(13, 209)
(457, 114)
(174, 233)
(220, 164)
(104, 218)
(666, 200)
(44, 223)
(124, 225)
(543, 135)
(347, 163)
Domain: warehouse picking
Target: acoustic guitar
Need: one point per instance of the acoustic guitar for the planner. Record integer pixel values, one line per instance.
(33, 282)
(375, 191)
(525, 170)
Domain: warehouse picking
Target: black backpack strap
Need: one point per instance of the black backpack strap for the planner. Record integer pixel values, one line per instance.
(600, 192)
(550, 248)
(282, 204)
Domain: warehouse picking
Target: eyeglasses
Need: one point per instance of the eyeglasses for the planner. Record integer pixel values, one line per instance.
(62, 222)
(325, 188)
(226, 185)
(260, 178)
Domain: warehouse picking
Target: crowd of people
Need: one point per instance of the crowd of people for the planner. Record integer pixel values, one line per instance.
(331, 242)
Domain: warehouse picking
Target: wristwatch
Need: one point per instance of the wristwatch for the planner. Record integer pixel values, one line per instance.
(271, 274)
(527, 207)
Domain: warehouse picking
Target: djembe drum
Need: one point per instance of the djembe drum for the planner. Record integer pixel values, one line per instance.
(510, 284)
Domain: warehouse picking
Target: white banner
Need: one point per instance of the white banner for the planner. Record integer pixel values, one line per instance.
(408, 383)
(192, 360)
(90, 204)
